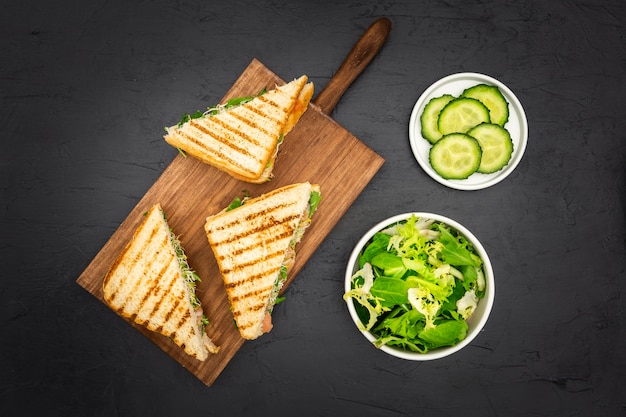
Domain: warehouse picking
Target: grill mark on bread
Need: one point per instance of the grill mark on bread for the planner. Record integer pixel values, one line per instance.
(230, 132)
(245, 326)
(255, 292)
(256, 307)
(171, 311)
(202, 126)
(256, 230)
(158, 303)
(249, 122)
(153, 291)
(252, 216)
(140, 284)
(269, 102)
(262, 114)
(287, 234)
(185, 317)
(122, 281)
(251, 278)
(215, 153)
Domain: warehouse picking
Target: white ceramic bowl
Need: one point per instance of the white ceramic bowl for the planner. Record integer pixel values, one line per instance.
(454, 84)
(477, 320)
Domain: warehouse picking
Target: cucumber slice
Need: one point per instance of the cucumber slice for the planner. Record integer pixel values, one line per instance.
(462, 114)
(430, 116)
(455, 156)
(496, 144)
(492, 97)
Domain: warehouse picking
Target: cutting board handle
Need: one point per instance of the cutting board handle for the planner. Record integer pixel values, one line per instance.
(359, 57)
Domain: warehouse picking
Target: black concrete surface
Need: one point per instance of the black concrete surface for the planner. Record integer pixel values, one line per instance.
(86, 88)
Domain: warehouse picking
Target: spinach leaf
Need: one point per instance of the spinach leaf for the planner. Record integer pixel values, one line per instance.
(211, 111)
(390, 264)
(314, 200)
(391, 291)
(445, 333)
(406, 325)
(187, 117)
(238, 202)
(379, 244)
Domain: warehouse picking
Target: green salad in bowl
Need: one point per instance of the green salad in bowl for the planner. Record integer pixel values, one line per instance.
(419, 286)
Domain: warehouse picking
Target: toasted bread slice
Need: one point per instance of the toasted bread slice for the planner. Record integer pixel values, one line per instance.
(243, 140)
(152, 284)
(254, 245)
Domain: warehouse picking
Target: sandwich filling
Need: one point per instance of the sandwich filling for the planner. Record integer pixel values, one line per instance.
(212, 111)
(290, 253)
(191, 278)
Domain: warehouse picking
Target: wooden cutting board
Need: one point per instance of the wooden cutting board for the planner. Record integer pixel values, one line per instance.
(317, 150)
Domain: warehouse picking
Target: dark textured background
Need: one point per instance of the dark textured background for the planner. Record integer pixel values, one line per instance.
(86, 88)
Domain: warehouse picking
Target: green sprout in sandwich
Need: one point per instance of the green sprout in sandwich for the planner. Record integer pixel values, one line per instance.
(282, 277)
(211, 111)
(314, 201)
(204, 322)
(189, 274)
(270, 162)
(187, 117)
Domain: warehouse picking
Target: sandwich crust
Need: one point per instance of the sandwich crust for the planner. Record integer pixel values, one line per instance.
(146, 285)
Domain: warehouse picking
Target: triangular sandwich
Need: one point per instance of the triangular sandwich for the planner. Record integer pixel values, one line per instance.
(242, 136)
(152, 284)
(254, 245)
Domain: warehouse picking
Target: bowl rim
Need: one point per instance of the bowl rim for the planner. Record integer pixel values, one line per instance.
(486, 302)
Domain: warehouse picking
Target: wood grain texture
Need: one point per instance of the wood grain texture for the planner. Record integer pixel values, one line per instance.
(317, 150)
